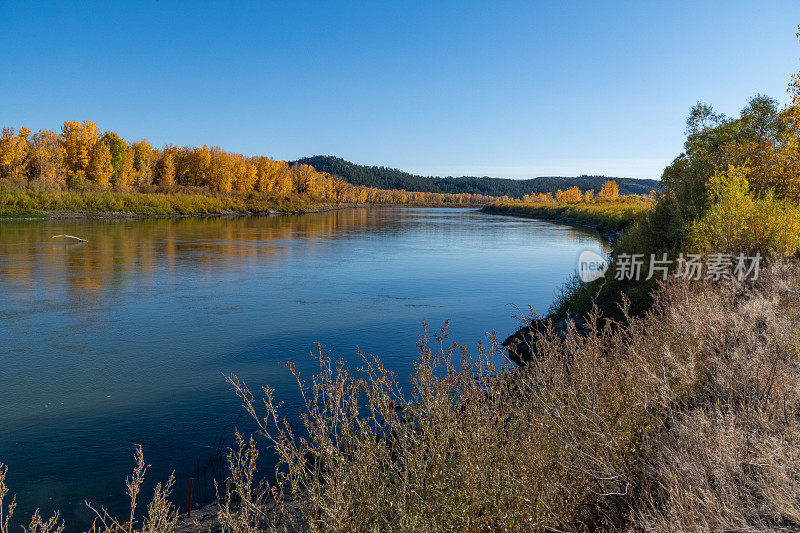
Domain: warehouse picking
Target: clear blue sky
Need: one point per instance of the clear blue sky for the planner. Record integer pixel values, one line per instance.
(510, 89)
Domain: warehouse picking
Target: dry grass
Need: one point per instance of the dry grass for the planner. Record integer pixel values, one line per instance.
(683, 419)
(54, 524)
(731, 459)
(161, 516)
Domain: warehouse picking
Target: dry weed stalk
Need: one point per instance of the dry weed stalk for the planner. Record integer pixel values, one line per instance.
(162, 516)
(246, 505)
(5, 512)
(54, 524)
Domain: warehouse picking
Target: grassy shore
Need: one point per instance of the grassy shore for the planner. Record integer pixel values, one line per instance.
(605, 216)
(31, 204)
(41, 204)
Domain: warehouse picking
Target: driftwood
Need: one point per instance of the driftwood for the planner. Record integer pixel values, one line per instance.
(69, 237)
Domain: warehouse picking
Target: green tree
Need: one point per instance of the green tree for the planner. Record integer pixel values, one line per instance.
(118, 149)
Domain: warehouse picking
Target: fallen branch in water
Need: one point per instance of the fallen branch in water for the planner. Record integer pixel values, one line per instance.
(69, 237)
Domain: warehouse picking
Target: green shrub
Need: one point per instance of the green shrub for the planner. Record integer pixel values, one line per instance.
(739, 222)
(76, 182)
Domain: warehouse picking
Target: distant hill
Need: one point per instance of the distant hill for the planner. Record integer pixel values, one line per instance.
(392, 178)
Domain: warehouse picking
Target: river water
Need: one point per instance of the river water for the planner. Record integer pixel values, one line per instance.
(125, 339)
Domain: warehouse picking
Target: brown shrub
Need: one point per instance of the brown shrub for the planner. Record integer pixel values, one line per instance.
(732, 458)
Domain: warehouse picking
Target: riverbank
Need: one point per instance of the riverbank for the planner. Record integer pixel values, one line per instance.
(30, 205)
(60, 205)
(609, 218)
(91, 215)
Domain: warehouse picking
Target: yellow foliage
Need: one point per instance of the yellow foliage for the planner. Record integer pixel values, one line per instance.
(46, 171)
(304, 179)
(14, 154)
(51, 161)
(144, 158)
(99, 168)
(573, 195)
(610, 190)
(78, 140)
(127, 175)
(166, 175)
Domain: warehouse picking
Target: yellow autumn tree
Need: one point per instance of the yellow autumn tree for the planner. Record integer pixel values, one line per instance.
(144, 157)
(220, 171)
(166, 170)
(573, 195)
(14, 157)
(100, 168)
(78, 139)
(246, 176)
(46, 170)
(338, 188)
(610, 190)
(6, 156)
(264, 179)
(304, 180)
(283, 178)
(198, 167)
(127, 175)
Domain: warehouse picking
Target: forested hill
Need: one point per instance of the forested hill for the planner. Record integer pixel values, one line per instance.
(392, 178)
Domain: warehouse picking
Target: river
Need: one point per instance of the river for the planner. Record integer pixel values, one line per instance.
(125, 339)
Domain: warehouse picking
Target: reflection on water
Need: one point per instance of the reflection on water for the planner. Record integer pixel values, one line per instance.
(125, 338)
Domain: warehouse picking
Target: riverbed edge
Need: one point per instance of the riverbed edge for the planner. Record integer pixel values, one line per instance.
(124, 215)
(608, 234)
(519, 345)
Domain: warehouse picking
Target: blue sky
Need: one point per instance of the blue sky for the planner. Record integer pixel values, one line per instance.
(509, 89)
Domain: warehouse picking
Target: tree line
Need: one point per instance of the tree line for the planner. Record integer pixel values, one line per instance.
(573, 195)
(82, 157)
(391, 178)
